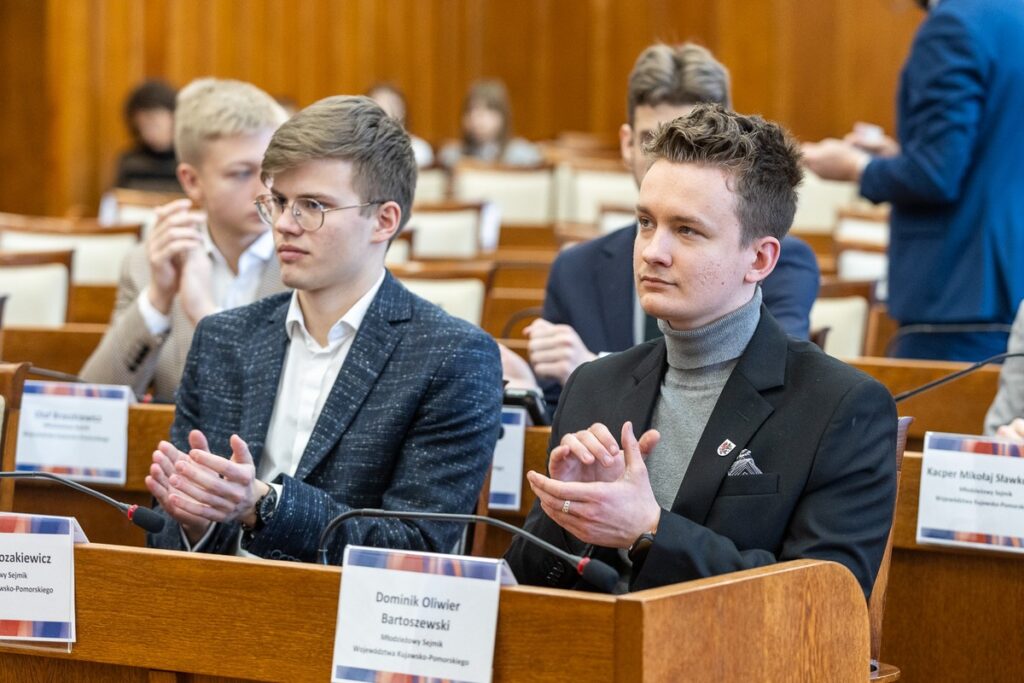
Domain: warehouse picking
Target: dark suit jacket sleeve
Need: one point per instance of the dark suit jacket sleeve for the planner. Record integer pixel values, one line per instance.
(534, 566)
(941, 107)
(844, 514)
(790, 291)
(441, 466)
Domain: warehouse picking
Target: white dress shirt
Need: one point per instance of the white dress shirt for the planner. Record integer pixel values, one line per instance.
(307, 377)
(228, 289)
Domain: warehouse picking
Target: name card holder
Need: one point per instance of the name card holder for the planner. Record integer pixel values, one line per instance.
(37, 581)
(507, 468)
(405, 613)
(972, 493)
(76, 430)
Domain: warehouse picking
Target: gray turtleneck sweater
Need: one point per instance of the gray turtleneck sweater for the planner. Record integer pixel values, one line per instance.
(699, 364)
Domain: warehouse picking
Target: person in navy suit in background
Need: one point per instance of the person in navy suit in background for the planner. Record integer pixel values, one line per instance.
(591, 306)
(349, 392)
(954, 180)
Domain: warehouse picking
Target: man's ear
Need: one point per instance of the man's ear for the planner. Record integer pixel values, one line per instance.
(389, 218)
(765, 254)
(626, 145)
(188, 176)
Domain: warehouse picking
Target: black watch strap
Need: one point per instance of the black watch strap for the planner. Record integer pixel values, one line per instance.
(637, 552)
(265, 508)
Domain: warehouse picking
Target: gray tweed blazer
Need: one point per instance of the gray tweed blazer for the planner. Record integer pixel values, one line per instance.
(410, 423)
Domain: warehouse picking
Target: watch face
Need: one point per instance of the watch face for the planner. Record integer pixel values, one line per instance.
(268, 504)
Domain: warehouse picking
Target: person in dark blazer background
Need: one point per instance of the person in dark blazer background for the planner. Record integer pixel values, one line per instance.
(590, 303)
(754, 447)
(349, 392)
(954, 179)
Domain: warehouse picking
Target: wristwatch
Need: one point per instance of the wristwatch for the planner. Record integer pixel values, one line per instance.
(265, 508)
(637, 552)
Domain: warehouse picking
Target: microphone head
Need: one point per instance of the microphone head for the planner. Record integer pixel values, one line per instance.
(598, 574)
(151, 521)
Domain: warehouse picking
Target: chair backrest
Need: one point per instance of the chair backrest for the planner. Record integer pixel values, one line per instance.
(525, 195)
(38, 285)
(123, 206)
(860, 243)
(611, 217)
(592, 187)
(876, 604)
(847, 318)
(460, 297)
(99, 252)
(819, 201)
(448, 230)
(12, 382)
(431, 185)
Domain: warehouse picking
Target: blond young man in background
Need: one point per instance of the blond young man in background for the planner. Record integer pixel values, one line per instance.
(206, 253)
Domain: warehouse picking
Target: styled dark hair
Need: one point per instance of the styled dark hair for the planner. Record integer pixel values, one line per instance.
(678, 75)
(352, 129)
(762, 158)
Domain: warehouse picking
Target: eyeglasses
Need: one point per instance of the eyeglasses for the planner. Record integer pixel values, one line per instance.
(307, 212)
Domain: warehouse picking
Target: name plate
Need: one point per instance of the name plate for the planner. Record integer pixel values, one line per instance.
(404, 613)
(507, 468)
(37, 577)
(76, 430)
(972, 493)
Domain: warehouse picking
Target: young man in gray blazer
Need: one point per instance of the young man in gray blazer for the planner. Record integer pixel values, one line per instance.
(754, 447)
(349, 392)
(206, 253)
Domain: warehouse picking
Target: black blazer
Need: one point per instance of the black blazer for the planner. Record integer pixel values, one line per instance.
(822, 433)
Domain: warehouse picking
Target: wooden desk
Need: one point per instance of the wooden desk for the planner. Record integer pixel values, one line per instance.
(64, 348)
(147, 425)
(951, 614)
(143, 614)
(959, 406)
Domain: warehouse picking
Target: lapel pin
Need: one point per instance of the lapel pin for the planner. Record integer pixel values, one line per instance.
(726, 448)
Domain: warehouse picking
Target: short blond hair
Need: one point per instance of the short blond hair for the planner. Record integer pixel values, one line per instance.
(212, 108)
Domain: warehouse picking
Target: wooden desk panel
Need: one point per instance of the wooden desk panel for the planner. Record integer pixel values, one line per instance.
(147, 425)
(148, 612)
(951, 614)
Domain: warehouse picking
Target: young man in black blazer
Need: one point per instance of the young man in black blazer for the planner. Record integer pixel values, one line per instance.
(755, 447)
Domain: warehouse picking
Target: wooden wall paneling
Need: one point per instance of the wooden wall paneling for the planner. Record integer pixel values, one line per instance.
(119, 48)
(570, 72)
(816, 67)
(747, 44)
(23, 107)
(873, 41)
(70, 92)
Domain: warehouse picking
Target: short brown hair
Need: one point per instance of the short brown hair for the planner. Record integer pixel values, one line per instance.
(676, 74)
(761, 157)
(352, 129)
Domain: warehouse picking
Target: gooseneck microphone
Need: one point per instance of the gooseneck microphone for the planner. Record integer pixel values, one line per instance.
(596, 573)
(140, 516)
(910, 393)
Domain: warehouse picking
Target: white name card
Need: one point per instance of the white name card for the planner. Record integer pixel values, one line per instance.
(507, 468)
(972, 493)
(416, 614)
(37, 577)
(76, 430)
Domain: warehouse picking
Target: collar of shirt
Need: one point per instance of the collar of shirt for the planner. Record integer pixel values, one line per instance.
(348, 324)
(257, 254)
